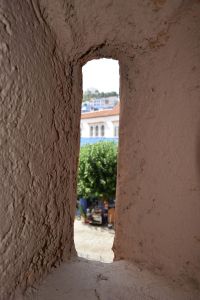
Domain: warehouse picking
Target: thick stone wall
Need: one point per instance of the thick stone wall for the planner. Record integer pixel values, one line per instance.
(37, 150)
(159, 167)
(42, 48)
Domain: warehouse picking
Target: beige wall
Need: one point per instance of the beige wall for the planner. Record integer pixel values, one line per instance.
(42, 48)
(159, 191)
(37, 161)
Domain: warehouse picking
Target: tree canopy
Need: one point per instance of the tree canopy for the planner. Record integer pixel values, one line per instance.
(97, 170)
(88, 95)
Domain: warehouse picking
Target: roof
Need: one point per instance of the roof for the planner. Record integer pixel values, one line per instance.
(102, 113)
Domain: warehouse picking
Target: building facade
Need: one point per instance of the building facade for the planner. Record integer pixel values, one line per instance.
(100, 124)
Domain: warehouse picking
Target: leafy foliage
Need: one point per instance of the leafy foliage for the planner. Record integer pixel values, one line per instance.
(97, 170)
(88, 95)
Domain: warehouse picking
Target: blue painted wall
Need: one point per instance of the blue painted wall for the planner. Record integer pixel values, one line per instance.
(94, 140)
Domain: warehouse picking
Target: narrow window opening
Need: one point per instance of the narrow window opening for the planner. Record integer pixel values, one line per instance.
(116, 130)
(94, 226)
(96, 130)
(91, 131)
(102, 130)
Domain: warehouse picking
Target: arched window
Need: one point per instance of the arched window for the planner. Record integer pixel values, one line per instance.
(96, 130)
(91, 130)
(102, 130)
(116, 130)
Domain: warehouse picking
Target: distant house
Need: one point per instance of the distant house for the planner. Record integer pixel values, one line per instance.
(104, 103)
(100, 124)
(99, 104)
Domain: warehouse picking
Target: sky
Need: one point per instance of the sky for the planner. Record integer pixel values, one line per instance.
(101, 74)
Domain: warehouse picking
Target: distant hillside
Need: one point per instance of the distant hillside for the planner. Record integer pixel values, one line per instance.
(88, 95)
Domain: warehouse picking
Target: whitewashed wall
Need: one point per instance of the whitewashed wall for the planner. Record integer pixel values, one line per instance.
(108, 122)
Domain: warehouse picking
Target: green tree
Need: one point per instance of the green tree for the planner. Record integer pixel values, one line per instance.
(97, 170)
(88, 95)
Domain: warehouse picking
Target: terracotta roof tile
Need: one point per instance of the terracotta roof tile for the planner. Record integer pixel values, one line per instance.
(102, 113)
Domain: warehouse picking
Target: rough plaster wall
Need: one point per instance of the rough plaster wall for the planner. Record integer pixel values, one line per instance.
(37, 156)
(158, 219)
(157, 44)
(43, 47)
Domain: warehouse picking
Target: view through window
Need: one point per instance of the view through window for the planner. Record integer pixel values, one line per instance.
(94, 226)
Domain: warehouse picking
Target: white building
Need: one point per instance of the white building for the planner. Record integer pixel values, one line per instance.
(103, 123)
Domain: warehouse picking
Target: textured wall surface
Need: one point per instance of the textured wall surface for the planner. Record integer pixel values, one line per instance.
(43, 45)
(37, 149)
